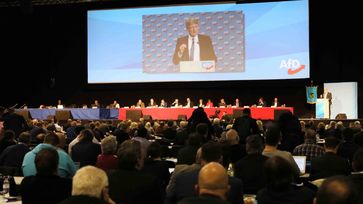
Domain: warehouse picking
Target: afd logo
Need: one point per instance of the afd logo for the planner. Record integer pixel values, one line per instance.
(293, 66)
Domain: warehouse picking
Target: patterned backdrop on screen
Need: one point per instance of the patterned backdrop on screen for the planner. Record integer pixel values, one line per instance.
(160, 33)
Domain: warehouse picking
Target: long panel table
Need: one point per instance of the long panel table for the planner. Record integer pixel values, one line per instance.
(265, 113)
(77, 113)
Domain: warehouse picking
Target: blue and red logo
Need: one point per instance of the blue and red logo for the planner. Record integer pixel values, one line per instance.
(293, 66)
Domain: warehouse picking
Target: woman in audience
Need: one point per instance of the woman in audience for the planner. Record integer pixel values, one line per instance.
(108, 160)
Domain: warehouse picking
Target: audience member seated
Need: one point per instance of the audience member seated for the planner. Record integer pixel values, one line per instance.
(14, 122)
(329, 164)
(245, 125)
(85, 151)
(309, 149)
(90, 186)
(77, 139)
(66, 167)
(36, 129)
(212, 185)
(169, 132)
(141, 136)
(337, 190)
(186, 155)
(273, 138)
(108, 160)
(279, 188)
(7, 140)
(46, 186)
(320, 130)
(13, 155)
(232, 150)
(250, 169)
(182, 168)
(184, 183)
(128, 184)
(357, 174)
(217, 128)
(122, 132)
(181, 133)
(347, 148)
(155, 166)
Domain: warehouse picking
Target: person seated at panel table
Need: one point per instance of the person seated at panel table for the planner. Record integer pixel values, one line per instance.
(222, 103)
(209, 104)
(115, 104)
(189, 103)
(261, 102)
(96, 104)
(60, 105)
(163, 104)
(201, 104)
(152, 103)
(140, 104)
(176, 103)
(275, 103)
(236, 103)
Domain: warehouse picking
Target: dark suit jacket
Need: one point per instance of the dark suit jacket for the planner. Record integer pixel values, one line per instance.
(329, 165)
(184, 187)
(206, 49)
(13, 155)
(293, 195)
(245, 126)
(15, 122)
(82, 199)
(45, 189)
(132, 186)
(86, 153)
(250, 169)
(357, 180)
(203, 199)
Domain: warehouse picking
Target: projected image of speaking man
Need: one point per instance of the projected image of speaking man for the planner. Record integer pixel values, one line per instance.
(194, 46)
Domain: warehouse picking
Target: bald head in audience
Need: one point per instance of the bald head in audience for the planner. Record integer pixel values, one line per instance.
(336, 190)
(232, 137)
(213, 180)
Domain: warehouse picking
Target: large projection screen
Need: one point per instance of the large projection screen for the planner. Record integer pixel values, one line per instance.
(344, 99)
(252, 41)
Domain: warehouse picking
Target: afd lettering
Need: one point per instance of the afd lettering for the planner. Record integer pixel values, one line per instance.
(293, 66)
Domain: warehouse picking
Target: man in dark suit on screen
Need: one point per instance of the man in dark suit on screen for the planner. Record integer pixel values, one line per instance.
(194, 46)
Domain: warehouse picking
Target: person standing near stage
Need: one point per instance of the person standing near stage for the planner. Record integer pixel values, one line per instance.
(327, 95)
